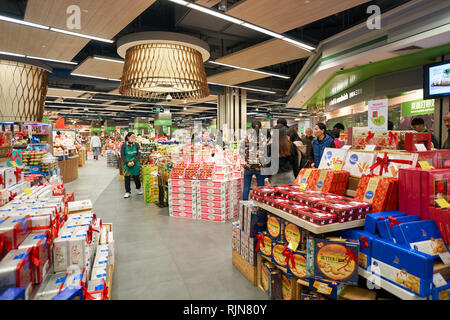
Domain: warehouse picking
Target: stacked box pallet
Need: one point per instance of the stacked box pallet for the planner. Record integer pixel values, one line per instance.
(183, 195)
(150, 181)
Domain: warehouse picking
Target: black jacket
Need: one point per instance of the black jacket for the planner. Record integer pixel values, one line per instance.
(289, 163)
(122, 152)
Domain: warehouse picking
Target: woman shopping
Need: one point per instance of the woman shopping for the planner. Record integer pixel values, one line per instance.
(254, 146)
(129, 151)
(288, 159)
(321, 141)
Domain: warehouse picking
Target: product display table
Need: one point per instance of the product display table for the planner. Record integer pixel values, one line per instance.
(386, 285)
(314, 228)
(69, 169)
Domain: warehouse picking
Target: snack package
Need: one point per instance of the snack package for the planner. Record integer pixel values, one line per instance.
(358, 163)
(288, 286)
(387, 164)
(275, 227)
(333, 158)
(306, 178)
(270, 280)
(413, 138)
(333, 259)
(39, 243)
(297, 264)
(332, 181)
(384, 226)
(409, 269)
(435, 186)
(264, 244)
(365, 245)
(278, 257)
(330, 289)
(15, 270)
(370, 224)
(15, 229)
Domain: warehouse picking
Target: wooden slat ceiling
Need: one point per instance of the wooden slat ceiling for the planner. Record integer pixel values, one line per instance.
(284, 15)
(100, 68)
(64, 93)
(207, 3)
(235, 76)
(104, 18)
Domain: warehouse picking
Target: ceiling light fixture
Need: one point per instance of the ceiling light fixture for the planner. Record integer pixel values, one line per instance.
(40, 26)
(12, 54)
(246, 88)
(95, 77)
(35, 58)
(251, 70)
(243, 23)
(162, 64)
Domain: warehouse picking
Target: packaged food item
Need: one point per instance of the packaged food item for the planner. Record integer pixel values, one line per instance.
(15, 229)
(413, 138)
(278, 257)
(306, 178)
(297, 264)
(287, 287)
(333, 158)
(270, 281)
(70, 293)
(330, 289)
(435, 186)
(274, 227)
(13, 294)
(15, 270)
(79, 206)
(39, 243)
(333, 259)
(365, 245)
(370, 224)
(264, 244)
(406, 268)
(384, 226)
(388, 163)
(358, 163)
(318, 217)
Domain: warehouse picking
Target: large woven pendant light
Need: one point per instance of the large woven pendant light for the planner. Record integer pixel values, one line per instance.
(158, 64)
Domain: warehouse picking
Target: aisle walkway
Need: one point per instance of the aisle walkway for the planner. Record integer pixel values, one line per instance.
(157, 256)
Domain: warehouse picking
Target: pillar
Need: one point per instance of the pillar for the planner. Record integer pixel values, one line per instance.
(232, 110)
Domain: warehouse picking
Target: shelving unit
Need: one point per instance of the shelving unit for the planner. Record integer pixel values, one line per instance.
(314, 228)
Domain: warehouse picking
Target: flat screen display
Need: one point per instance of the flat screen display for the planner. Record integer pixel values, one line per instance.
(437, 80)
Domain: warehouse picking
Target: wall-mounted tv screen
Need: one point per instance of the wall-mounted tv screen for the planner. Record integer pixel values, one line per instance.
(436, 82)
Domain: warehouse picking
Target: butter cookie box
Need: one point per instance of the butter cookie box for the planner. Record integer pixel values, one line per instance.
(384, 226)
(333, 259)
(297, 264)
(331, 289)
(288, 287)
(270, 281)
(370, 224)
(358, 163)
(365, 245)
(264, 244)
(409, 269)
(274, 227)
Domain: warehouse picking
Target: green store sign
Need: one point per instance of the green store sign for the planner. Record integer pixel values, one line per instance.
(96, 129)
(163, 122)
(110, 128)
(165, 129)
(417, 107)
(138, 125)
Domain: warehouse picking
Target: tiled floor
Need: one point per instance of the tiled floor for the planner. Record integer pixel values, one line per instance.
(157, 256)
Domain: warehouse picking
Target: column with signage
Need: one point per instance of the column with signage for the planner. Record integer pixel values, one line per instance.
(163, 122)
(232, 111)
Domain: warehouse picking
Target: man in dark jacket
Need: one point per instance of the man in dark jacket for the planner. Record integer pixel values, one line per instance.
(418, 125)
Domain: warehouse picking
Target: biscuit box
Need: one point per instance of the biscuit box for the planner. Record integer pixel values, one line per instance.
(270, 281)
(70, 293)
(422, 236)
(385, 225)
(441, 293)
(15, 271)
(333, 259)
(278, 257)
(435, 185)
(264, 244)
(264, 191)
(413, 138)
(274, 227)
(401, 266)
(318, 217)
(13, 294)
(306, 178)
(299, 269)
(372, 219)
(288, 287)
(15, 229)
(333, 158)
(331, 289)
(291, 194)
(293, 208)
(40, 245)
(276, 202)
(365, 245)
(358, 163)
(292, 233)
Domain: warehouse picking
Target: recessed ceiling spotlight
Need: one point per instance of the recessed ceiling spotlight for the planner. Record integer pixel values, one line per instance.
(184, 108)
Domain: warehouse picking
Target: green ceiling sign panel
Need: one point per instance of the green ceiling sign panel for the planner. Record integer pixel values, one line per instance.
(163, 122)
(345, 79)
(417, 107)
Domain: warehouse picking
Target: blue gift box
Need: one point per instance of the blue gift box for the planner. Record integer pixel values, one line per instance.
(70, 293)
(365, 245)
(330, 289)
(13, 294)
(409, 269)
(385, 229)
(370, 224)
(441, 293)
(417, 235)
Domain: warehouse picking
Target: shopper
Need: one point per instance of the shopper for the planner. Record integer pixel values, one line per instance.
(418, 124)
(390, 125)
(447, 124)
(308, 142)
(335, 135)
(254, 145)
(320, 142)
(96, 145)
(301, 148)
(339, 127)
(288, 159)
(129, 151)
(283, 122)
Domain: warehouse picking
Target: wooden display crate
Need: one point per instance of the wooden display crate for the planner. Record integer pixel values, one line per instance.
(244, 267)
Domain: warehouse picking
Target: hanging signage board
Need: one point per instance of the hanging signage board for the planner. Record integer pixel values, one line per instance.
(417, 107)
(163, 122)
(378, 114)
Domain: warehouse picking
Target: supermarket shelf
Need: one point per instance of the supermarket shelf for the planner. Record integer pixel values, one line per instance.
(314, 228)
(386, 285)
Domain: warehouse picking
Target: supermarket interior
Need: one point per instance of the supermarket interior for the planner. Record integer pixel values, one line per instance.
(248, 150)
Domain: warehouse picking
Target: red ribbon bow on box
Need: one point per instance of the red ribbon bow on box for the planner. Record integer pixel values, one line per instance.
(89, 234)
(364, 244)
(384, 163)
(35, 257)
(18, 173)
(12, 196)
(2, 183)
(260, 238)
(393, 136)
(86, 294)
(349, 256)
(2, 139)
(289, 254)
(393, 221)
(370, 136)
(4, 241)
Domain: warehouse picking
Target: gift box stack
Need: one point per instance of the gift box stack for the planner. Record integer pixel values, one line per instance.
(381, 192)
(405, 251)
(251, 220)
(112, 159)
(330, 181)
(383, 139)
(150, 182)
(49, 166)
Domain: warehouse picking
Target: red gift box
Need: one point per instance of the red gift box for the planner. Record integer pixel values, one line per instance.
(410, 191)
(15, 229)
(293, 208)
(412, 138)
(430, 156)
(311, 200)
(318, 217)
(276, 202)
(291, 194)
(443, 160)
(264, 191)
(39, 243)
(340, 209)
(434, 186)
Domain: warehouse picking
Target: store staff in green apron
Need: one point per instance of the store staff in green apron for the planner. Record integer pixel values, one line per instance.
(129, 151)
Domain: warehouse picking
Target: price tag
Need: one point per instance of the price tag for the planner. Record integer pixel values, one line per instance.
(13, 164)
(438, 280)
(420, 147)
(370, 147)
(346, 147)
(425, 165)
(293, 246)
(27, 191)
(442, 203)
